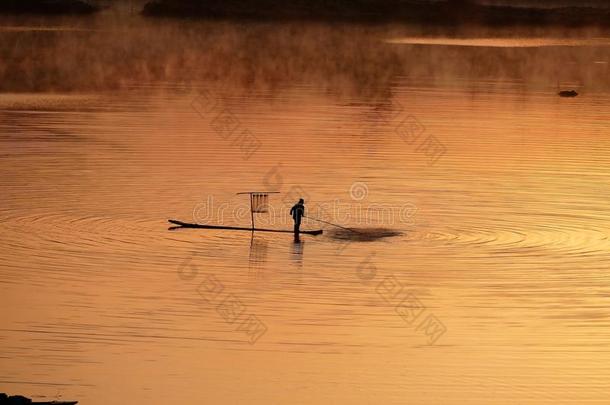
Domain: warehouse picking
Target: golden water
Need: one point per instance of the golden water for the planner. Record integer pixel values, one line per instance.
(504, 240)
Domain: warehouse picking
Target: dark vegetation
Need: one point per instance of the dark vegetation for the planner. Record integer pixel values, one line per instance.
(448, 12)
(46, 7)
(21, 400)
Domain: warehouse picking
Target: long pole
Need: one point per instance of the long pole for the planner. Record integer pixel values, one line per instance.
(330, 223)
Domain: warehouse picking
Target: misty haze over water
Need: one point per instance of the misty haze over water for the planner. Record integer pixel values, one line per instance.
(113, 123)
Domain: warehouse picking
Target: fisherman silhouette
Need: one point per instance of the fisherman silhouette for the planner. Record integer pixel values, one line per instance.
(297, 211)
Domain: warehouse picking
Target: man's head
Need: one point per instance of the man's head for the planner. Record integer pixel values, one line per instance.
(301, 201)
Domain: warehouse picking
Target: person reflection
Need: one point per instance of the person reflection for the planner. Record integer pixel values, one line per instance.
(296, 254)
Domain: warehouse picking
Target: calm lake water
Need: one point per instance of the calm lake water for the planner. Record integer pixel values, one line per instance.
(495, 291)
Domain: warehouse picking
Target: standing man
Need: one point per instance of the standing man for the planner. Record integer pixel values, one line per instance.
(297, 212)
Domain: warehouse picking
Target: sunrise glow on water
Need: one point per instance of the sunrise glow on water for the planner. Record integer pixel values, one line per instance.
(470, 264)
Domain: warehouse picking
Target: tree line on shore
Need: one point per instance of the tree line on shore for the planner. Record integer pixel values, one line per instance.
(447, 12)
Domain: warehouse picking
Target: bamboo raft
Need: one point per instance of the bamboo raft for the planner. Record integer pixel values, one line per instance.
(180, 224)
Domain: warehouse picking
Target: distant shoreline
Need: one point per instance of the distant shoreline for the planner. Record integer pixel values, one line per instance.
(443, 13)
(42, 7)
